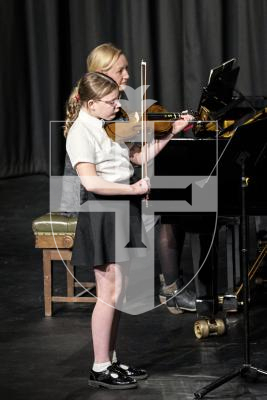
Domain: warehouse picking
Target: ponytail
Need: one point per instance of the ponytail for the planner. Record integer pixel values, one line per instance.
(72, 109)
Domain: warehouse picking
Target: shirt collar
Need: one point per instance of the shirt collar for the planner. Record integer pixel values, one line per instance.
(87, 118)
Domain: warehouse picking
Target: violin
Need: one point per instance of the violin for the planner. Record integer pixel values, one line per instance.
(158, 121)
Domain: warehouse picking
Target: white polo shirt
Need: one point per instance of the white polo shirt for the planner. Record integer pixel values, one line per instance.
(87, 141)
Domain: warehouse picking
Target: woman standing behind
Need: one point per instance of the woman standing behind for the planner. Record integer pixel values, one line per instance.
(111, 61)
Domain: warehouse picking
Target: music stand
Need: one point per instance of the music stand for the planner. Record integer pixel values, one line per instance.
(217, 96)
(244, 155)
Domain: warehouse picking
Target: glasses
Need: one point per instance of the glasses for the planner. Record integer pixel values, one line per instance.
(111, 102)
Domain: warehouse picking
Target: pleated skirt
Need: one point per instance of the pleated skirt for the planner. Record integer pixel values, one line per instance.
(109, 230)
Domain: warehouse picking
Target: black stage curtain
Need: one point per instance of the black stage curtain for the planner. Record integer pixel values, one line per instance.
(44, 44)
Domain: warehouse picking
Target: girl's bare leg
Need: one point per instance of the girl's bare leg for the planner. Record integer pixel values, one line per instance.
(105, 318)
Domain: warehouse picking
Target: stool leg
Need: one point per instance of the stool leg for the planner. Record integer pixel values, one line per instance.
(70, 279)
(47, 268)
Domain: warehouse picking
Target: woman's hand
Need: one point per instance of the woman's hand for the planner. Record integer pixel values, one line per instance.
(181, 123)
(141, 187)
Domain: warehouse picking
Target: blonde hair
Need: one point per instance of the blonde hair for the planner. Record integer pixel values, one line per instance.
(92, 86)
(103, 57)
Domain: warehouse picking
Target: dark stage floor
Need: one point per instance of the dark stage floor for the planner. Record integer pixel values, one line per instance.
(48, 358)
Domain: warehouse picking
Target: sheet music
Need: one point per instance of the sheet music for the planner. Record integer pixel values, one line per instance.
(216, 71)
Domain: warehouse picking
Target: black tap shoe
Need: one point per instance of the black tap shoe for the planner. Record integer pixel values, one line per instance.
(135, 373)
(111, 378)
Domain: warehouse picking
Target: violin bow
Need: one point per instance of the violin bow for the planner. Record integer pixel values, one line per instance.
(143, 122)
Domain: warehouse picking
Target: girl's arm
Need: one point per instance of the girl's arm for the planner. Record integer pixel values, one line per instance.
(98, 185)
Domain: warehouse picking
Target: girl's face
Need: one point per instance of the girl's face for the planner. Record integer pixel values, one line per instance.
(107, 107)
(119, 72)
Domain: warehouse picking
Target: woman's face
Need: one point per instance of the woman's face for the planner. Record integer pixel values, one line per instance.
(107, 107)
(119, 72)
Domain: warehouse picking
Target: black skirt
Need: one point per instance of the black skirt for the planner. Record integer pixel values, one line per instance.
(109, 230)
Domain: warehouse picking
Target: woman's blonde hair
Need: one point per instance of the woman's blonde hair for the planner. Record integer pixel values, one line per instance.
(103, 57)
(92, 86)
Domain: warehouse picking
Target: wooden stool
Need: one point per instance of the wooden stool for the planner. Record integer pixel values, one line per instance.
(54, 233)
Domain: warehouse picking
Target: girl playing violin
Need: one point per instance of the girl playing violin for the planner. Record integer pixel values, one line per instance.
(105, 170)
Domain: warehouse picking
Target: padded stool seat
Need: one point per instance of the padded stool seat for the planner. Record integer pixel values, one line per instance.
(54, 230)
(54, 234)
